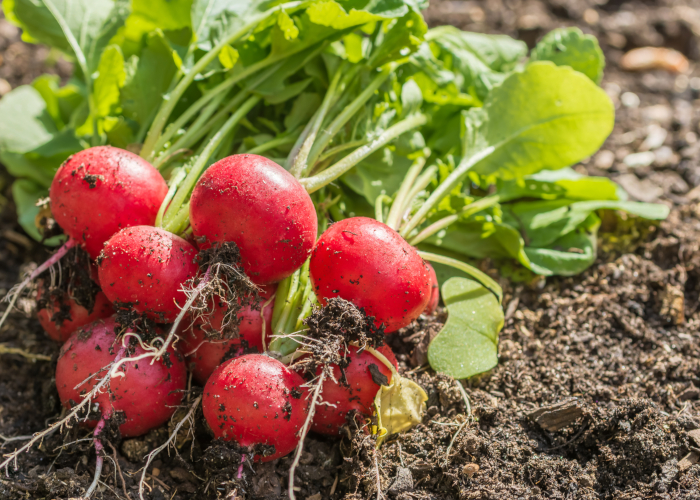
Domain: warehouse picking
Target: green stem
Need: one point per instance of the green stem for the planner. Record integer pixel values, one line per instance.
(175, 181)
(445, 188)
(203, 158)
(334, 171)
(195, 133)
(397, 208)
(379, 206)
(183, 142)
(178, 223)
(299, 164)
(171, 101)
(347, 113)
(271, 144)
(441, 224)
(472, 271)
(340, 148)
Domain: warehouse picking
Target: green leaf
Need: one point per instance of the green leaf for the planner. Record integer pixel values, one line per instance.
(478, 61)
(496, 52)
(109, 81)
(26, 122)
(92, 23)
(163, 14)
(380, 173)
(480, 239)
(569, 255)
(214, 19)
(26, 194)
(148, 79)
(543, 222)
(564, 183)
(468, 343)
(302, 109)
(544, 117)
(571, 47)
(404, 36)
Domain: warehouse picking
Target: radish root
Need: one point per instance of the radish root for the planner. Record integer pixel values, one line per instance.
(16, 290)
(112, 372)
(149, 458)
(99, 461)
(304, 431)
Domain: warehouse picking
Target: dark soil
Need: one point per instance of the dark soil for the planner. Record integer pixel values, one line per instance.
(598, 386)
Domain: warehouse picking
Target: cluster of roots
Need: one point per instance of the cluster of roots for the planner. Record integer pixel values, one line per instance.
(226, 287)
(332, 328)
(69, 280)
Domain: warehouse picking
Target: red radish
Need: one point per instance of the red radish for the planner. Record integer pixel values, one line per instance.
(256, 400)
(63, 315)
(369, 264)
(145, 267)
(256, 204)
(148, 394)
(206, 355)
(358, 396)
(100, 190)
(434, 292)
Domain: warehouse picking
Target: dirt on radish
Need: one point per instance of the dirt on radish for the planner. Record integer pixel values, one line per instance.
(617, 344)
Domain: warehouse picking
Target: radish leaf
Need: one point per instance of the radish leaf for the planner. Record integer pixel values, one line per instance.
(92, 23)
(570, 47)
(545, 117)
(468, 343)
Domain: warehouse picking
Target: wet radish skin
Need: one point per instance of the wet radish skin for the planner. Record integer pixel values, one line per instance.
(100, 190)
(146, 266)
(148, 394)
(262, 208)
(79, 315)
(434, 292)
(358, 396)
(203, 356)
(369, 264)
(248, 400)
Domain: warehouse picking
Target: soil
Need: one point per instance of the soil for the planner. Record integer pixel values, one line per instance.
(597, 392)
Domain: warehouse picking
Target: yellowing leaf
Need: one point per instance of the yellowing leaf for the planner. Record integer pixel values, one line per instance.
(353, 47)
(287, 26)
(400, 405)
(228, 57)
(332, 14)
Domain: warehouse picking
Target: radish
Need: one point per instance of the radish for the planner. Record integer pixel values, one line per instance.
(144, 267)
(369, 264)
(256, 204)
(147, 394)
(100, 190)
(205, 354)
(355, 390)
(434, 292)
(258, 402)
(60, 314)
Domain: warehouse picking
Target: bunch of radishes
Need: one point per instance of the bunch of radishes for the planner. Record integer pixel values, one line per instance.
(107, 201)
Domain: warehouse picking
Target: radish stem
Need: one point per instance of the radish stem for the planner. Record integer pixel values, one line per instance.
(470, 209)
(334, 171)
(397, 208)
(172, 100)
(347, 113)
